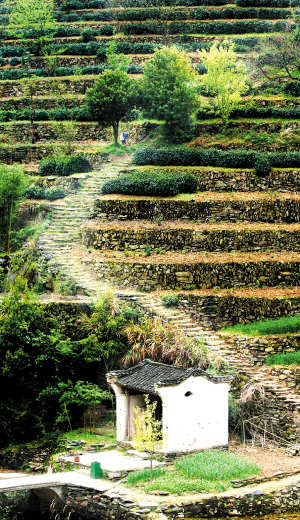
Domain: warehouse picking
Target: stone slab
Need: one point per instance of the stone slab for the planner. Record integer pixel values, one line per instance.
(112, 461)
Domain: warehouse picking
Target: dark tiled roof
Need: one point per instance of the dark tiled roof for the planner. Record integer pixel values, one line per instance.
(147, 374)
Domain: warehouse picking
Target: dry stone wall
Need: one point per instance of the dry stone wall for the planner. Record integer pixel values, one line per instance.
(269, 210)
(42, 103)
(191, 239)
(76, 85)
(205, 275)
(258, 348)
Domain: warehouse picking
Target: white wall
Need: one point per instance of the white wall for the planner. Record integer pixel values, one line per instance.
(122, 403)
(199, 421)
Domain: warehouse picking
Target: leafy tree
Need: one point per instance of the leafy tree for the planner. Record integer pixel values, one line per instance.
(277, 56)
(170, 91)
(32, 14)
(13, 183)
(225, 80)
(148, 434)
(112, 98)
(116, 61)
(66, 131)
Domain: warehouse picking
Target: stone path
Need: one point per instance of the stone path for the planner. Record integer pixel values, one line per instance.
(62, 233)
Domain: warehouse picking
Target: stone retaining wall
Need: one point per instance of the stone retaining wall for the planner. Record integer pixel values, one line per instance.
(214, 179)
(88, 503)
(76, 85)
(269, 126)
(42, 103)
(21, 131)
(289, 374)
(258, 348)
(205, 275)
(191, 239)
(223, 311)
(269, 210)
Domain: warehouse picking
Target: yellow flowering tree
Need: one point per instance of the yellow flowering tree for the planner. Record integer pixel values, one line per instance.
(225, 81)
(148, 431)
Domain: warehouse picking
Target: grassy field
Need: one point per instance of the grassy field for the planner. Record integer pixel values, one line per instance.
(201, 472)
(288, 358)
(283, 325)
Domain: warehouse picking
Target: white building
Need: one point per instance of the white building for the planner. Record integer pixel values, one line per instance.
(192, 404)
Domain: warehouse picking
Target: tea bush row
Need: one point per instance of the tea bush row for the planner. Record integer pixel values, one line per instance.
(60, 71)
(64, 166)
(53, 193)
(214, 157)
(257, 112)
(218, 27)
(59, 32)
(58, 114)
(150, 183)
(267, 3)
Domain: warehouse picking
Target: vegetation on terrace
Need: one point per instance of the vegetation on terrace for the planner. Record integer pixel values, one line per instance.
(284, 325)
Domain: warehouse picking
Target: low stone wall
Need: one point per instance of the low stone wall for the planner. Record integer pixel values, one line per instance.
(191, 239)
(205, 275)
(223, 311)
(289, 374)
(268, 126)
(70, 184)
(42, 103)
(280, 498)
(268, 210)
(17, 88)
(43, 131)
(258, 348)
(214, 179)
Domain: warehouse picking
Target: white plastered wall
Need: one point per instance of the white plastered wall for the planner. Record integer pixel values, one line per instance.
(122, 403)
(197, 421)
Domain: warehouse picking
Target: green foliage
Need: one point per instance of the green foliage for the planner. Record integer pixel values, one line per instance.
(112, 98)
(116, 60)
(87, 34)
(151, 183)
(32, 14)
(169, 300)
(282, 325)
(225, 80)
(46, 359)
(213, 157)
(210, 470)
(292, 88)
(53, 193)
(170, 91)
(268, 3)
(144, 475)
(13, 183)
(106, 30)
(63, 166)
(262, 167)
(285, 359)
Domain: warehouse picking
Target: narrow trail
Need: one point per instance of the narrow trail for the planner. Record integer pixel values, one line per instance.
(56, 244)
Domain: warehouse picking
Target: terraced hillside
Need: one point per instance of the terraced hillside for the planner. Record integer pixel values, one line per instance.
(229, 252)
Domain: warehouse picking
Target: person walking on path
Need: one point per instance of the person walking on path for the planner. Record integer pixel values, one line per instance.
(123, 137)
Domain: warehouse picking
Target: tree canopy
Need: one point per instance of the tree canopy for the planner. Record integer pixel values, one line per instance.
(112, 98)
(169, 89)
(28, 14)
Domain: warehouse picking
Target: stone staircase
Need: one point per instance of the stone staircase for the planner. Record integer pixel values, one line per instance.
(57, 241)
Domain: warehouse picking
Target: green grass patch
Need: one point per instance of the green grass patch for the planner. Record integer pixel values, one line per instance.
(288, 358)
(106, 432)
(144, 475)
(282, 325)
(206, 471)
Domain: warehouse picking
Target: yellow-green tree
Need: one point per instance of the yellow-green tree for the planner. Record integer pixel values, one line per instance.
(148, 431)
(225, 81)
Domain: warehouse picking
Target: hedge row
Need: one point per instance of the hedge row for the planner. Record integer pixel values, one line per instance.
(198, 14)
(64, 166)
(152, 183)
(257, 112)
(73, 5)
(219, 27)
(213, 157)
(60, 32)
(13, 74)
(53, 193)
(267, 3)
(58, 114)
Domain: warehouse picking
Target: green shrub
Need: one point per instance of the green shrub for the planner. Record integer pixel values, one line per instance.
(213, 157)
(262, 167)
(106, 30)
(267, 3)
(169, 300)
(292, 88)
(53, 193)
(87, 34)
(64, 166)
(149, 183)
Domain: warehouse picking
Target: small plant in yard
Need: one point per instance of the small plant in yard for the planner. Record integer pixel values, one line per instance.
(169, 300)
(148, 431)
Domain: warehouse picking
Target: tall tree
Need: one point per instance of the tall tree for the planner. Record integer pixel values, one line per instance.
(112, 98)
(225, 80)
(169, 89)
